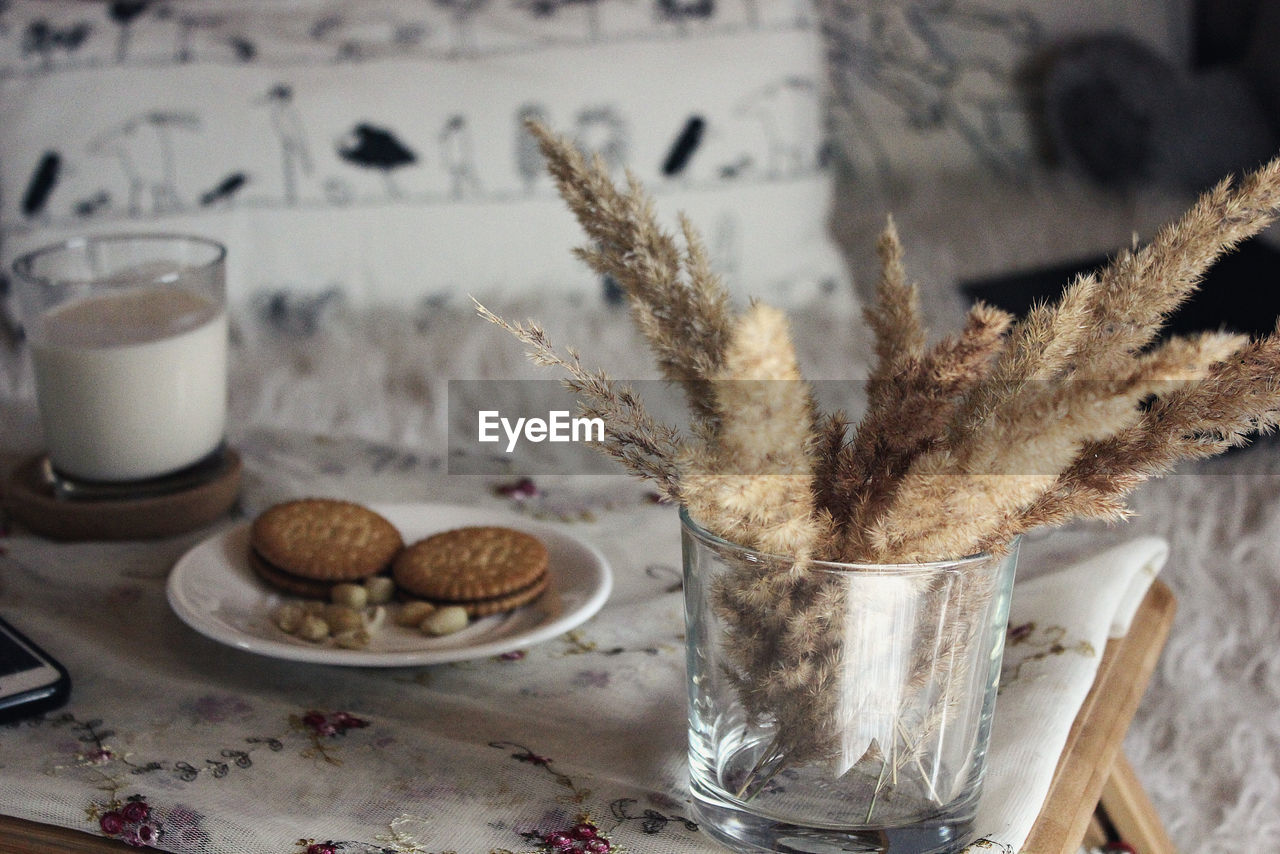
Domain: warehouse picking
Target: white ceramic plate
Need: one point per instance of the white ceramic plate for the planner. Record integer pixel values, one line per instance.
(213, 590)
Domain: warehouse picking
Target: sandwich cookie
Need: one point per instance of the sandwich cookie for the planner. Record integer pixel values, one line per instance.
(485, 569)
(304, 547)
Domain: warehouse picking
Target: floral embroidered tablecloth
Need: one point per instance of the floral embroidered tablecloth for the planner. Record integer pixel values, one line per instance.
(174, 741)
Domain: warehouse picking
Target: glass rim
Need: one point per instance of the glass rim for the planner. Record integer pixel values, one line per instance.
(23, 265)
(707, 537)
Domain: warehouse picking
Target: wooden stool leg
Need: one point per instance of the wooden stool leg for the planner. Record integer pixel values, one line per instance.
(1130, 812)
(1093, 745)
(1096, 835)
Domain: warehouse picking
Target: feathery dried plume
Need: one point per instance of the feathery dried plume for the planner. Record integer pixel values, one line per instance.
(644, 446)
(753, 482)
(833, 482)
(677, 302)
(1237, 395)
(909, 419)
(1038, 348)
(1007, 470)
(1048, 395)
(894, 317)
(1141, 289)
(1102, 320)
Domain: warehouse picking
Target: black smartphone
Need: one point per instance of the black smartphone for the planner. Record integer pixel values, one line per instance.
(31, 680)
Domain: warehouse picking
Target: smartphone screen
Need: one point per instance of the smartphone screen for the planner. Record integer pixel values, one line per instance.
(15, 658)
(30, 680)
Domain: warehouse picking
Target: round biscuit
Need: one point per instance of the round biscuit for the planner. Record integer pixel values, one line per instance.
(466, 564)
(477, 608)
(287, 583)
(325, 539)
(501, 604)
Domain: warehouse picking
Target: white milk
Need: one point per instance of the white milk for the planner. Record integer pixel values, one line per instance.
(131, 385)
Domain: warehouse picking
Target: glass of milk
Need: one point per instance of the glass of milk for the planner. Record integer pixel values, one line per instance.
(128, 339)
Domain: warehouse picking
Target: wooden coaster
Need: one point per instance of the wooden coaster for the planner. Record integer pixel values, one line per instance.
(29, 498)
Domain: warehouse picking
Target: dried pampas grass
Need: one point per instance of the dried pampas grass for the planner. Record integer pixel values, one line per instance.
(1000, 428)
(964, 444)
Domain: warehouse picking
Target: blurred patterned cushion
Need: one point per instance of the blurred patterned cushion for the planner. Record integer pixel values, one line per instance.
(376, 148)
(924, 89)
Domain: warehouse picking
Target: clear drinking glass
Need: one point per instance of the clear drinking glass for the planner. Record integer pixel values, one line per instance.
(839, 707)
(128, 338)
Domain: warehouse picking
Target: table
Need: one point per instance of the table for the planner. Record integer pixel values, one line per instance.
(467, 757)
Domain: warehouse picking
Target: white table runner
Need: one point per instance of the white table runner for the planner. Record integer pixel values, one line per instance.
(174, 741)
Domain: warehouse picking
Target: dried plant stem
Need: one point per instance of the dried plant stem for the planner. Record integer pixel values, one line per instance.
(677, 302)
(911, 393)
(894, 317)
(901, 426)
(1139, 290)
(1198, 419)
(1104, 319)
(948, 502)
(645, 447)
(751, 482)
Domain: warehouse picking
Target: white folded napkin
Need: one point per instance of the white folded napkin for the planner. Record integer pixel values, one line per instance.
(1059, 626)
